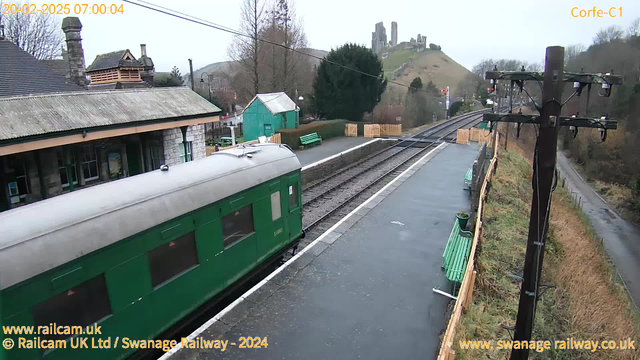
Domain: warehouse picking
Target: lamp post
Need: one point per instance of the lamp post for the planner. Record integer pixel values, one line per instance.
(300, 100)
(208, 81)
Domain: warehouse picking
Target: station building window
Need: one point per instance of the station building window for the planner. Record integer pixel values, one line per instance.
(89, 162)
(82, 306)
(157, 156)
(62, 169)
(293, 196)
(237, 226)
(185, 152)
(170, 259)
(276, 211)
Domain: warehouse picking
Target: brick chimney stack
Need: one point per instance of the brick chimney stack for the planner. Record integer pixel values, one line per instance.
(72, 27)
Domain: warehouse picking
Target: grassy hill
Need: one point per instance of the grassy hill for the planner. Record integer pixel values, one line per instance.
(429, 65)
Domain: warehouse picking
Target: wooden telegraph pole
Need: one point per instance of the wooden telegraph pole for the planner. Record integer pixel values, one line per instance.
(544, 165)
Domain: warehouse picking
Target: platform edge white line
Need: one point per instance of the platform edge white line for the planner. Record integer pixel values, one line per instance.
(230, 307)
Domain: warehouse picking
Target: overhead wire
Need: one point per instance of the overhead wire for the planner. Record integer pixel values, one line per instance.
(193, 19)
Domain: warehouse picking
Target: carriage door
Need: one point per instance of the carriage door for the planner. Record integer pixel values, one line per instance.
(294, 207)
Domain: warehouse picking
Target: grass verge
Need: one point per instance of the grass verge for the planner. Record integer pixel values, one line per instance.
(587, 304)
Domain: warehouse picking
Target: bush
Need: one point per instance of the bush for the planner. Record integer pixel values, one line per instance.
(326, 130)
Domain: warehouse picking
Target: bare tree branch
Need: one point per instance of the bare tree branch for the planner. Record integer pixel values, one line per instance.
(39, 35)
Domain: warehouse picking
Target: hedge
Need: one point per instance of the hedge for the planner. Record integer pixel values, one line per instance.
(326, 129)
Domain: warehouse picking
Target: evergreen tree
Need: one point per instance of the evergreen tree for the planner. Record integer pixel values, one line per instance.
(341, 93)
(176, 77)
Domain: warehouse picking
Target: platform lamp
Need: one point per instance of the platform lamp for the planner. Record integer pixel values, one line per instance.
(209, 78)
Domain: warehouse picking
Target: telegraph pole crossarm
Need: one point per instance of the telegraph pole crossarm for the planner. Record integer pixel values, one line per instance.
(597, 123)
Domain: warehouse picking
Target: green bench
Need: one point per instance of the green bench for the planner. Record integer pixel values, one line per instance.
(456, 255)
(468, 177)
(310, 139)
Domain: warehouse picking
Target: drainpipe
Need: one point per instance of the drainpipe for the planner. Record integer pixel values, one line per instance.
(183, 129)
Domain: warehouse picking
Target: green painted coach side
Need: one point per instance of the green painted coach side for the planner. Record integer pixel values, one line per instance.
(139, 311)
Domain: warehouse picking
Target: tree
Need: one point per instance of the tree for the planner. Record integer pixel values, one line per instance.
(39, 35)
(612, 33)
(416, 84)
(174, 79)
(634, 28)
(343, 93)
(571, 52)
(246, 50)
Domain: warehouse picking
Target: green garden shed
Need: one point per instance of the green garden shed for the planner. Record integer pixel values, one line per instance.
(267, 113)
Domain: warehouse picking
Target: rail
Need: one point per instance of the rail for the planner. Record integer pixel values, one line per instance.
(349, 199)
(466, 289)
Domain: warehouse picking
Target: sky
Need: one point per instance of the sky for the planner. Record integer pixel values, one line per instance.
(468, 30)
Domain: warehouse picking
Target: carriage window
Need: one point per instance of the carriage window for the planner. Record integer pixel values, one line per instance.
(276, 211)
(293, 196)
(82, 306)
(172, 258)
(237, 225)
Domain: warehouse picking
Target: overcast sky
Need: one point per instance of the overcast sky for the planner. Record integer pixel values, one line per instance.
(468, 30)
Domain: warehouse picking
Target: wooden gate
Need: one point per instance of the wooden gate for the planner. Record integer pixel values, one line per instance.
(390, 129)
(463, 136)
(372, 130)
(351, 130)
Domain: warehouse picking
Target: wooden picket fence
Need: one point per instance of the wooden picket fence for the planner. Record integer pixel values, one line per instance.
(351, 130)
(466, 289)
(463, 136)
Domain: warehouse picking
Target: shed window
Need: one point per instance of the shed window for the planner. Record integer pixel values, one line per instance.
(293, 196)
(170, 259)
(237, 225)
(82, 306)
(276, 211)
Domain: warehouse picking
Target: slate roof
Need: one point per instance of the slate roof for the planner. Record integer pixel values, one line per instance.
(58, 66)
(25, 116)
(276, 102)
(113, 60)
(22, 74)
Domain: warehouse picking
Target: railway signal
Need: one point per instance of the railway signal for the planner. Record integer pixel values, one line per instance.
(544, 164)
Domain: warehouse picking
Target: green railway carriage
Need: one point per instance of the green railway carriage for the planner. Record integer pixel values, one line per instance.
(137, 255)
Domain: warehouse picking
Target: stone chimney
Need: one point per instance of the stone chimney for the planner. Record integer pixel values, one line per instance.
(1, 32)
(143, 49)
(71, 27)
(148, 71)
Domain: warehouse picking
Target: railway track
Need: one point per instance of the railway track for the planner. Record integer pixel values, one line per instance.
(331, 198)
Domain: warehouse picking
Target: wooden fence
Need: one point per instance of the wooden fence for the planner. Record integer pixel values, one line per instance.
(390, 129)
(466, 289)
(462, 137)
(276, 138)
(378, 130)
(372, 130)
(351, 130)
(482, 136)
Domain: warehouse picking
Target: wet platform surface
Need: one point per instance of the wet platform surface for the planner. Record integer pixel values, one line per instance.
(364, 289)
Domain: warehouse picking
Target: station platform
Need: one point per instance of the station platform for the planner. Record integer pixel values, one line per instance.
(363, 289)
(328, 148)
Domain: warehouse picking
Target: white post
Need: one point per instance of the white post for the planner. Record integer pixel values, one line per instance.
(233, 136)
(447, 102)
